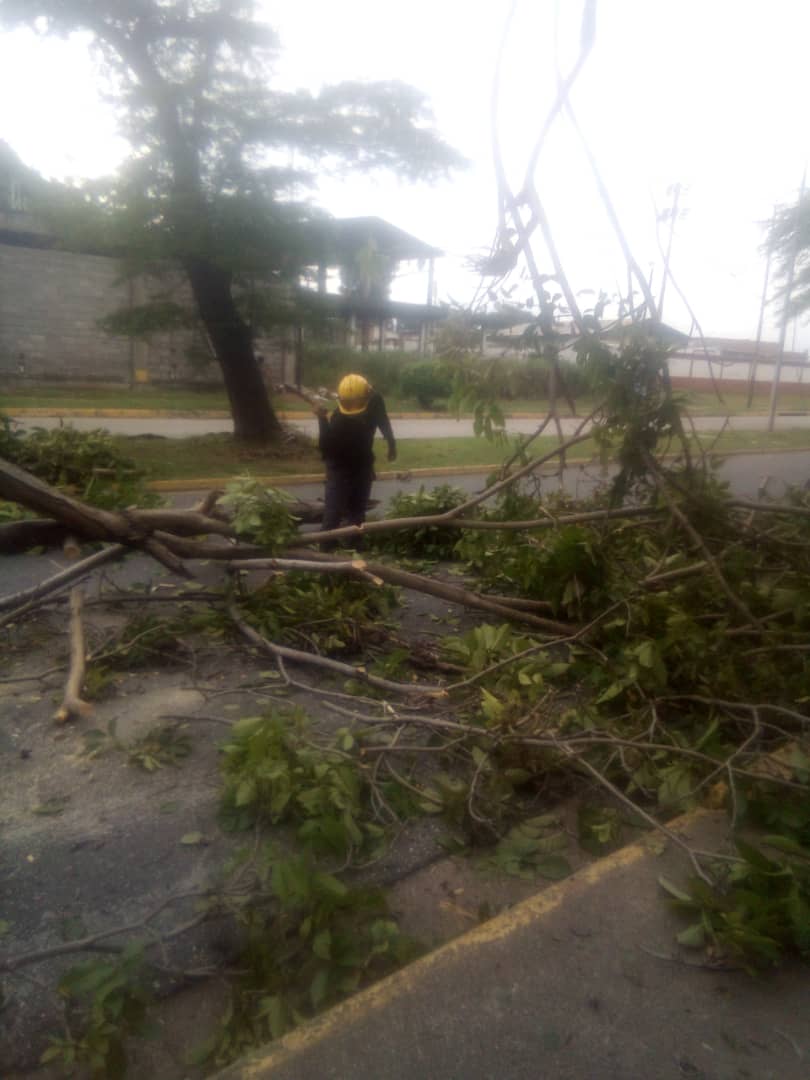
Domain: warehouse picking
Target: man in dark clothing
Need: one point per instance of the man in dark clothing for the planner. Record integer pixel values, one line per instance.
(345, 440)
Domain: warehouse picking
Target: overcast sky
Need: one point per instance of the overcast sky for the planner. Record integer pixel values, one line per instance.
(710, 94)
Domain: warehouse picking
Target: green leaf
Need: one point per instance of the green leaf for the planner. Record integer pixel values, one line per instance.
(693, 937)
(646, 654)
(612, 691)
(276, 1015)
(786, 844)
(322, 945)
(674, 891)
(553, 867)
(55, 805)
(192, 838)
(318, 987)
(492, 708)
(757, 859)
(51, 1054)
(246, 793)
(479, 756)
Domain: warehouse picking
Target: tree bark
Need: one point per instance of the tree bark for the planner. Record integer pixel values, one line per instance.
(254, 420)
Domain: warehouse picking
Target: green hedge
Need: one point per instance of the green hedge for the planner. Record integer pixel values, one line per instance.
(325, 365)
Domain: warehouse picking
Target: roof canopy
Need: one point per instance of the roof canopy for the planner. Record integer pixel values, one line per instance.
(338, 240)
(331, 305)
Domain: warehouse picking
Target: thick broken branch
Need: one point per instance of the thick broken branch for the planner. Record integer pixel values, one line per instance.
(454, 594)
(17, 536)
(354, 568)
(73, 707)
(465, 598)
(22, 487)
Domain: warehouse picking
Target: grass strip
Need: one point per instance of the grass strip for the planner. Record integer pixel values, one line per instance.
(218, 455)
(700, 402)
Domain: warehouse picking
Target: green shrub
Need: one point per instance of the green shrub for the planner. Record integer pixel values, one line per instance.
(90, 463)
(9, 438)
(426, 382)
(325, 365)
(430, 541)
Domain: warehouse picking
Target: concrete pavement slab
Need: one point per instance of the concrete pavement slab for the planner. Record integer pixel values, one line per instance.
(582, 982)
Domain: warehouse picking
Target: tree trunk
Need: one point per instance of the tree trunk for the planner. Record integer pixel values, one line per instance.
(254, 420)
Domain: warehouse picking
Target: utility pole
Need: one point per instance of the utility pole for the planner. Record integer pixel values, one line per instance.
(791, 271)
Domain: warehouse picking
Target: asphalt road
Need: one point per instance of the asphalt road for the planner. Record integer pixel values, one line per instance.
(747, 474)
(411, 428)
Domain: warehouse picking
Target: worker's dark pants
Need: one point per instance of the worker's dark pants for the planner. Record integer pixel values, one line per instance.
(346, 497)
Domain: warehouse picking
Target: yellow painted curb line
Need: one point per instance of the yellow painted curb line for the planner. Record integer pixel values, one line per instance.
(262, 1063)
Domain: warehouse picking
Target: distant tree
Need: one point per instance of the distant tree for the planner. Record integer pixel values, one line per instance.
(366, 277)
(208, 187)
(789, 240)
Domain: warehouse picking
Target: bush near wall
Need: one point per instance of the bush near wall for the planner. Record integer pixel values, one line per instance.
(528, 378)
(427, 382)
(325, 365)
(406, 375)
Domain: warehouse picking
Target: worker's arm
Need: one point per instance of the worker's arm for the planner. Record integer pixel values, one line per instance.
(380, 415)
(324, 431)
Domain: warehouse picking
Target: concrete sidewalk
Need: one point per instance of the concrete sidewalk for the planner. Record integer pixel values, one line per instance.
(582, 982)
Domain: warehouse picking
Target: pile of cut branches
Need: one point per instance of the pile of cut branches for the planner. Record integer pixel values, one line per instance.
(647, 651)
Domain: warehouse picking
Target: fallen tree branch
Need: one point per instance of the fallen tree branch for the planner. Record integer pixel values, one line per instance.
(163, 554)
(454, 594)
(645, 513)
(673, 575)
(182, 522)
(22, 487)
(697, 540)
(14, 963)
(457, 595)
(63, 578)
(348, 670)
(18, 536)
(355, 568)
(746, 706)
(770, 508)
(449, 517)
(202, 549)
(73, 707)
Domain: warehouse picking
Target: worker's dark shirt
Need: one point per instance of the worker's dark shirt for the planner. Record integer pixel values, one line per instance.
(347, 441)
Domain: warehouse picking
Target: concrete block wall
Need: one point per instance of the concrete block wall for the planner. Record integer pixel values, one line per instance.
(50, 305)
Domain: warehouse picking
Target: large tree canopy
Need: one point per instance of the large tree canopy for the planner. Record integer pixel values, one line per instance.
(209, 185)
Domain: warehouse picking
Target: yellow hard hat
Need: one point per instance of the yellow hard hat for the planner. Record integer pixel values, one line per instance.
(353, 394)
